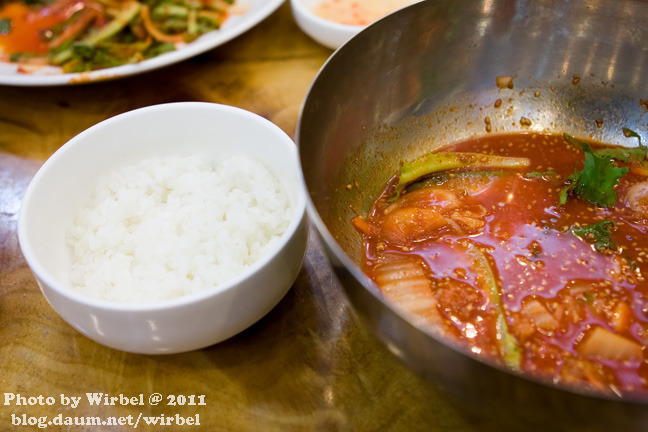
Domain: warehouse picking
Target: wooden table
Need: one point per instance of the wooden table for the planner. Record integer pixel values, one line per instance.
(309, 365)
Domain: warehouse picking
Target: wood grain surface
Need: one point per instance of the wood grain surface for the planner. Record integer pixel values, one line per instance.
(309, 365)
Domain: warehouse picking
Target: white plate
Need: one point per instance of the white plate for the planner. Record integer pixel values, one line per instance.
(257, 11)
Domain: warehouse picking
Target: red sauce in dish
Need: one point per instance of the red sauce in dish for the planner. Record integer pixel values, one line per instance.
(358, 12)
(573, 312)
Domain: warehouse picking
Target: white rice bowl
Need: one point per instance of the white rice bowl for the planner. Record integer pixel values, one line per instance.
(172, 226)
(160, 290)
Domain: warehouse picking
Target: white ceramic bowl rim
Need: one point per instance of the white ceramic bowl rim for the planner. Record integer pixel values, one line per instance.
(28, 251)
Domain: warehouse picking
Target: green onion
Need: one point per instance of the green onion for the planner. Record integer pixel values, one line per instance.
(435, 162)
(508, 345)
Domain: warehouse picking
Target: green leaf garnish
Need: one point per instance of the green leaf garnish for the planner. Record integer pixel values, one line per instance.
(630, 133)
(622, 154)
(637, 154)
(5, 26)
(598, 234)
(596, 181)
(537, 174)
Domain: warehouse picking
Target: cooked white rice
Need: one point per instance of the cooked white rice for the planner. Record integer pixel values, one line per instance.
(169, 227)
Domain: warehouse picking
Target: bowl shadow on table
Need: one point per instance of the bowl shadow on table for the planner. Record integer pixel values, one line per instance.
(312, 359)
(291, 356)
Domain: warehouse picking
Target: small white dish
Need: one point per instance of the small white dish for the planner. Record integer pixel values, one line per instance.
(66, 180)
(327, 33)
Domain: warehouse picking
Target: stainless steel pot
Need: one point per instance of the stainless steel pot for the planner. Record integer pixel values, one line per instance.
(427, 76)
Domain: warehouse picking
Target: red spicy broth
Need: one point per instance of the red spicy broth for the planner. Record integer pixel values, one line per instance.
(493, 258)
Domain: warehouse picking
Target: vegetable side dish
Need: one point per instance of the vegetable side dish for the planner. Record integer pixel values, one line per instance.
(530, 249)
(84, 35)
